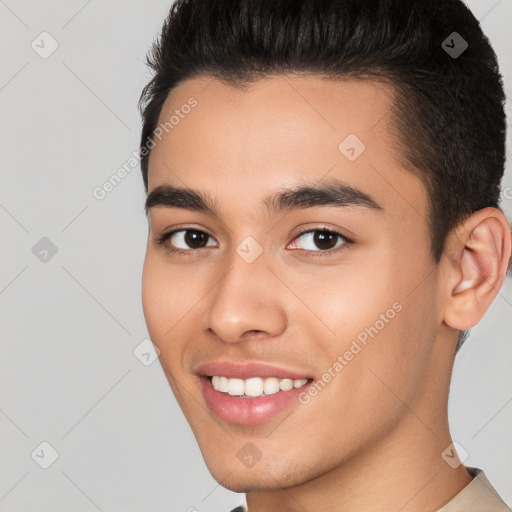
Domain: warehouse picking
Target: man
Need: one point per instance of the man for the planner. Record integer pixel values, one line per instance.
(323, 185)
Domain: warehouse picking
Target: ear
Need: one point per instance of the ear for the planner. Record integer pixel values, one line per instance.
(478, 254)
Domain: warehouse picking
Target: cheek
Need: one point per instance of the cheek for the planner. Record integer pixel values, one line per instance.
(172, 298)
(154, 296)
(347, 299)
(379, 324)
(167, 296)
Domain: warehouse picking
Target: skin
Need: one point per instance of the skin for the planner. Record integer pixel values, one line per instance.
(372, 439)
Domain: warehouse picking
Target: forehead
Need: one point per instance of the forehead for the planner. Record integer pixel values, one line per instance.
(242, 144)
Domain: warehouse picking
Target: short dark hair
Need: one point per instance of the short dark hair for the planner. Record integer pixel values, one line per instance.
(448, 110)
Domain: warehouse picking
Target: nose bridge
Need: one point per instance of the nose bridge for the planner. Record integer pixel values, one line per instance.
(244, 299)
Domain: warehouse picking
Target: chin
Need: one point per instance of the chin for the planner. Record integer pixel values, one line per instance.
(252, 480)
(265, 475)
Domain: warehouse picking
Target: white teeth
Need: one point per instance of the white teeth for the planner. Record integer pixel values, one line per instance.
(255, 386)
(285, 384)
(271, 386)
(236, 387)
(223, 384)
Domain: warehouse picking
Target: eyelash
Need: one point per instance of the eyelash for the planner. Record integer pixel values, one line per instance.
(162, 239)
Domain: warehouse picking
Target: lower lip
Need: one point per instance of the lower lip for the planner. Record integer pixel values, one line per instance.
(248, 411)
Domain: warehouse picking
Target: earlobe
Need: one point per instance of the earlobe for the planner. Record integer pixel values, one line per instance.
(478, 272)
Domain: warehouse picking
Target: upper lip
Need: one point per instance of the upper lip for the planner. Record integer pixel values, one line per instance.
(246, 370)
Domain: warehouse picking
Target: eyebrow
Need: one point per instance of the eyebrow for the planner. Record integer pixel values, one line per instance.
(328, 193)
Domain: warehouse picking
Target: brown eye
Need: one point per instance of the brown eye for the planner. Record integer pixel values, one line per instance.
(319, 240)
(186, 239)
(196, 239)
(325, 240)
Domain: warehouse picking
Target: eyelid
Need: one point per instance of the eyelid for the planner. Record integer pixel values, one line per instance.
(346, 240)
(183, 233)
(162, 239)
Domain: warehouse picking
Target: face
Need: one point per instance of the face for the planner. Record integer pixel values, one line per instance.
(299, 260)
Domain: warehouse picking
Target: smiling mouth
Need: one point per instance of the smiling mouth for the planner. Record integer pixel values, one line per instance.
(255, 386)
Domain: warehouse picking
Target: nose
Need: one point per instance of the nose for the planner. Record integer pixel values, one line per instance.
(245, 302)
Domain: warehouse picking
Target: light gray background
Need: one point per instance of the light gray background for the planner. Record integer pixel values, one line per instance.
(70, 325)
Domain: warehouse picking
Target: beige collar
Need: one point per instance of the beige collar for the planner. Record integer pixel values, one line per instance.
(477, 496)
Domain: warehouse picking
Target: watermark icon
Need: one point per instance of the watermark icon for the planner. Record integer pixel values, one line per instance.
(507, 193)
(44, 45)
(454, 455)
(146, 352)
(352, 147)
(249, 455)
(355, 348)
(454, 45)
(44, 455)
(249, 249)
(44, 250)
(101, 191)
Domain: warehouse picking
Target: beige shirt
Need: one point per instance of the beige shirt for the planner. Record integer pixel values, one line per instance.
(478, 496)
